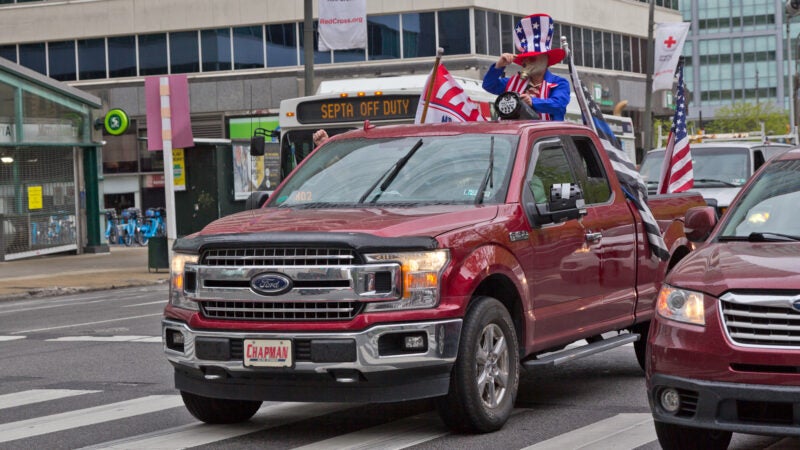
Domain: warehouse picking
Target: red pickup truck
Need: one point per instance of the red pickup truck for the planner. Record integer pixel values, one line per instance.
(724, 349)
(407, 262)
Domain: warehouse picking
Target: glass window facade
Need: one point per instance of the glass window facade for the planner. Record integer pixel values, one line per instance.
(122, 56)
(91, 59)
(184, 55)
(216, 45)
(319, 57)
(248, 47)
(61, 56)
(383, 37)
(418, 34)
(32, 56)
(282, 45)
(8, 52)
(153, 54)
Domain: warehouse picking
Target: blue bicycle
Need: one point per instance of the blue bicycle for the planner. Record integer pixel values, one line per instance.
(153, 225)
(131, 228)
(112, 227)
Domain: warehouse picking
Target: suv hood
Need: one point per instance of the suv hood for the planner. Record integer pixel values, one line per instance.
(723, 195)
(378, 221)
(722, 266)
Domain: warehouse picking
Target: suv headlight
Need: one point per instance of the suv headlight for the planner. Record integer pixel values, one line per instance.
(681, 305)
(421, 274)
(182, 280)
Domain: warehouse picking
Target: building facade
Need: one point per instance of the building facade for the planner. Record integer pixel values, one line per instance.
(736, 52)
(243, 57)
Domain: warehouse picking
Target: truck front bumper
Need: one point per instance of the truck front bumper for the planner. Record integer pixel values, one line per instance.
(738, 407)
(366, 366)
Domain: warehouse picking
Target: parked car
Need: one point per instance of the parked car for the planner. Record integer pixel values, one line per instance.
(720, 169)
(724, 347)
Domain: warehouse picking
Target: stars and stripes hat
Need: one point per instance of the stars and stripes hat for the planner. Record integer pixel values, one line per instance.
(533, 36)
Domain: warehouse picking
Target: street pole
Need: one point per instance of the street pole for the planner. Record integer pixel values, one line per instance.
(308, 42)
(648, 99)
(792, 86)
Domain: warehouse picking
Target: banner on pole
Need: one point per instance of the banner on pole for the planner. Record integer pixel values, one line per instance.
(670, 38)
(178, 108)
(342, 24)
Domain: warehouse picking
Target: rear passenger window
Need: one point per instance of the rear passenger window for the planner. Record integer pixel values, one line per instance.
(592, 176)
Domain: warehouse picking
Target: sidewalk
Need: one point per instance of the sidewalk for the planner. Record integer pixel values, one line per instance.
(66, 274)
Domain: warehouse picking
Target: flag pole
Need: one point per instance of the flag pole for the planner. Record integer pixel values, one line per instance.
(431, 79)
(577, 85)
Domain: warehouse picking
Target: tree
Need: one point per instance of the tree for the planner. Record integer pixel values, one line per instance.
(743, 117)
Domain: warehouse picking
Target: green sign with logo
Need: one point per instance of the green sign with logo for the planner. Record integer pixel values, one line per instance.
(116, 122)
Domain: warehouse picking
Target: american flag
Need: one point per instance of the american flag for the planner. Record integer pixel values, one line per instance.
(677, 174)
(631, 180)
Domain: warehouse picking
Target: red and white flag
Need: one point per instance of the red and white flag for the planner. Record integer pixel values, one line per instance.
(448, 102)
(677, 174)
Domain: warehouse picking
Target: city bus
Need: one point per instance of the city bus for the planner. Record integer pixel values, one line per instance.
(343, 105)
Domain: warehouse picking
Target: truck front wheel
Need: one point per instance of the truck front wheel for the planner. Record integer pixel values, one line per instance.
(678, 437)
(485, 378)
(218, 410)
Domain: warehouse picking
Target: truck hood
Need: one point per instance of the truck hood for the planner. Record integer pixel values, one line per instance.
(722, 266)
(379, 221)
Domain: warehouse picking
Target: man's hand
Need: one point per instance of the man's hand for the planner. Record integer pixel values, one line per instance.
(505, 59)
(527, 99)
(320, 136)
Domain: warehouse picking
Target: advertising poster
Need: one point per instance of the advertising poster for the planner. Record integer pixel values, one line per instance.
(254, 173)
(178, 169)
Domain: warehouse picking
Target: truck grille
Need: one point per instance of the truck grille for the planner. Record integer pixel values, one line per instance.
(761, 320)
(239, 310)
(277, 256)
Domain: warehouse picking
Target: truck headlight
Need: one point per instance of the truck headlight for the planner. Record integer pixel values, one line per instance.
(681, 305)
(421, 277)
(182, 281)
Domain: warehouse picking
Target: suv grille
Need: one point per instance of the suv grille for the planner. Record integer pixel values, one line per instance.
(237, 310)
(277, 256)
(764, 322)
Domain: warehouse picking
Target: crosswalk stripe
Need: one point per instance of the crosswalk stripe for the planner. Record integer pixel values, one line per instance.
(197, 434)
(620, 431)
(37, 396)
(11, 338)
(151, 339)
(394, 435)
(89, 416)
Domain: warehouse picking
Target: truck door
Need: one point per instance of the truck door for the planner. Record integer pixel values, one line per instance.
(562, 264)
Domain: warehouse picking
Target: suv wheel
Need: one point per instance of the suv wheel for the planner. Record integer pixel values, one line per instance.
(485, 378)
(679, 437)
(218, 410)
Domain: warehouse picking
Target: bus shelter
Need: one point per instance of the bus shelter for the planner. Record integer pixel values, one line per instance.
(48, 166)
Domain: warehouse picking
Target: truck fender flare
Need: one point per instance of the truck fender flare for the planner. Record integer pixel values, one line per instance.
(677, 243)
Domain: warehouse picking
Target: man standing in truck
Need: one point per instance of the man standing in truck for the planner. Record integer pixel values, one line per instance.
(546, 93)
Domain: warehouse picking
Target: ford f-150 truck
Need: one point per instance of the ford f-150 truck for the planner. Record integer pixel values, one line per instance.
(417, 261)
(724, 351)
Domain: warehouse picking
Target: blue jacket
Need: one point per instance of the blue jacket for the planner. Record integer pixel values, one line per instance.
(555, 105)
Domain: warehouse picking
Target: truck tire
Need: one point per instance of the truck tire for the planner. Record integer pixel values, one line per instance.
(218, 410)
(485, 378)
(679, 437)
(640, 346)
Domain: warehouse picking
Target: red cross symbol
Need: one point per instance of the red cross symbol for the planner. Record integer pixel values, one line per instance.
(670, 42)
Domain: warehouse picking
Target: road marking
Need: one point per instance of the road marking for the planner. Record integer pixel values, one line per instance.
(89, 416)
(394, 435)
(86, 323)
(196, 434)
(150, 339)
(144, 304)
(11, 338)
(620, 431)
(37, 396)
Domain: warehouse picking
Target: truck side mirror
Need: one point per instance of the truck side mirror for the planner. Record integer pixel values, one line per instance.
(256, 200)
(565, 203)
(257, 146)
(698, 222)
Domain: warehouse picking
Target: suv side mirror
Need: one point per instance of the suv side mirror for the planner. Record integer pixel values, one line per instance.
(698, 222)
(256, 200)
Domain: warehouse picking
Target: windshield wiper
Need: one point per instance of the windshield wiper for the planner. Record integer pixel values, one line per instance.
(712, 180)
(391, 174)
(769, 236)
(489, 177)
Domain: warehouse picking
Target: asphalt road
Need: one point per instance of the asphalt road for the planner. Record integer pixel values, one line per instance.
(87, 370)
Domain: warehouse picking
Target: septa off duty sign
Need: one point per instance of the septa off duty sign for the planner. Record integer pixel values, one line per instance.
(349, 109)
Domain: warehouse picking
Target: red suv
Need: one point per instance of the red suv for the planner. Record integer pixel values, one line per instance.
(724, 348)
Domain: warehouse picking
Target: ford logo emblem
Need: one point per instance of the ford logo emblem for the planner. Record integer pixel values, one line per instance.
(796, 305)
(271, 284)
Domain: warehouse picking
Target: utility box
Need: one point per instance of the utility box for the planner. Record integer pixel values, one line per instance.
(157, 253)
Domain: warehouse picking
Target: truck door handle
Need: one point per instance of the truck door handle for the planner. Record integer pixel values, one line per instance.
(593, 237)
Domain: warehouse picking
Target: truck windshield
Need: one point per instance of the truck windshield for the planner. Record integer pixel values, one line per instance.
(402, 171)
(713, 167)
(768, 209)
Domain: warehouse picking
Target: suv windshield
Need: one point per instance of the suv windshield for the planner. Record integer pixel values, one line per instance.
(403, 171)
(713, 167)
(768, 210)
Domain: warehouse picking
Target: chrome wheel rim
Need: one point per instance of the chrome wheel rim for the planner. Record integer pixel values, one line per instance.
(492, 366)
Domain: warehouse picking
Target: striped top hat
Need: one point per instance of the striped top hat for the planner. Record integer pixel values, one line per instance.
(533, 36)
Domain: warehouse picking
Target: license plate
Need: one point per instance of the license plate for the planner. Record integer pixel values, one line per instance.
(268, 353)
